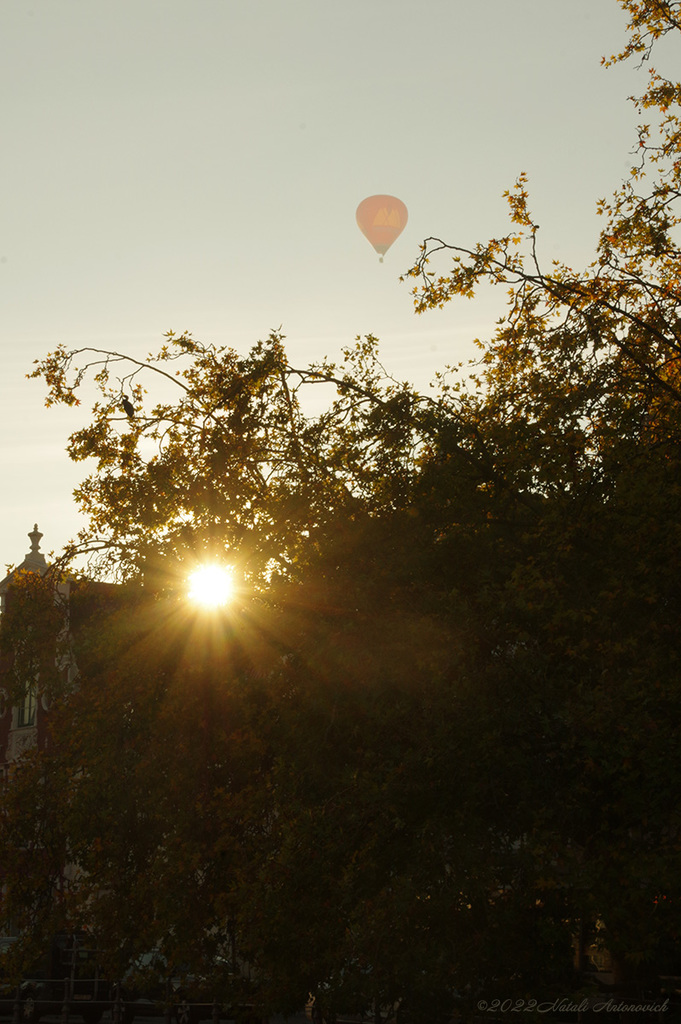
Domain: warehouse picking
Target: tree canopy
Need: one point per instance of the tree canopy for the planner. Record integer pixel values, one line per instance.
(432, 744)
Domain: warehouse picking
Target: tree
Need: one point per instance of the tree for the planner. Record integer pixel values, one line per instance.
(234, 463)
(352, 675)
(577, 399)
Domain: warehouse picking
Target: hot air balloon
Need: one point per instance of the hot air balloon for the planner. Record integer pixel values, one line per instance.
(381, 219)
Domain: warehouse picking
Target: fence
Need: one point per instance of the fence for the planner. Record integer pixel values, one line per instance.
(27, 1007)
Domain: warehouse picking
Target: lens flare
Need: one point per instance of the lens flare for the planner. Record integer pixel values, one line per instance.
(211, 586)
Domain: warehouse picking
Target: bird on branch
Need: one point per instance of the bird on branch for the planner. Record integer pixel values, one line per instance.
(128, 407)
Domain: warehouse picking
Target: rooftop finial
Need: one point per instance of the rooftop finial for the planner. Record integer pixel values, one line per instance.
(35, 536)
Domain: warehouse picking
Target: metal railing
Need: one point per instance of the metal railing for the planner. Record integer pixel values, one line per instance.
(27, 1008)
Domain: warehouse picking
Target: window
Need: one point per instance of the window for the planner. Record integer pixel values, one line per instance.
(27, 707)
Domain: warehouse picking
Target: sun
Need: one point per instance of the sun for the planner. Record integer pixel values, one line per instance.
(211, 585)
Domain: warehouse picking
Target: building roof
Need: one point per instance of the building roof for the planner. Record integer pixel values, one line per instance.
(33, 562)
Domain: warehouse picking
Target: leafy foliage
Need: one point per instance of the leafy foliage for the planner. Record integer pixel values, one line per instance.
(234, 463)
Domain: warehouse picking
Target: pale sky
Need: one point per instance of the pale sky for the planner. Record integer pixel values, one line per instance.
(196, 164)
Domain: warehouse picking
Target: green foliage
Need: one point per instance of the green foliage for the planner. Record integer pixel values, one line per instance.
(234, 464)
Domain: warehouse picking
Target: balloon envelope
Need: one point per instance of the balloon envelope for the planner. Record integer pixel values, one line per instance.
(381, 219)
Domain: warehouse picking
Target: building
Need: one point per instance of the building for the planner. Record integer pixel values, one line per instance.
(21, 725)
(23, 722)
